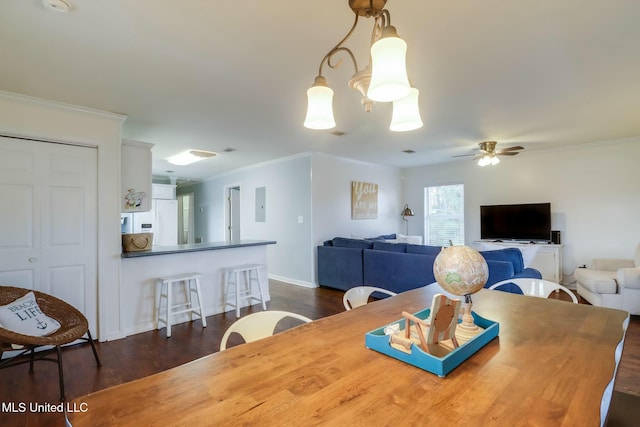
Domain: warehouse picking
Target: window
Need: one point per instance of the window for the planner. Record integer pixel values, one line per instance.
(444, 215)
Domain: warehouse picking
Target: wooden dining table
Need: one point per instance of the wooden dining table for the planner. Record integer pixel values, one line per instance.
(549, 365)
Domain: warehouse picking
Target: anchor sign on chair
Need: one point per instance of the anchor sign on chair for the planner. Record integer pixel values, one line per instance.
(41, 324)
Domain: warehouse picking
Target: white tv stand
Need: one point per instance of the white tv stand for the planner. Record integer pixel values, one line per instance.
(548, 259)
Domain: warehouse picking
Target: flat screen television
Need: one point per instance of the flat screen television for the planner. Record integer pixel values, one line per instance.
(531, 222)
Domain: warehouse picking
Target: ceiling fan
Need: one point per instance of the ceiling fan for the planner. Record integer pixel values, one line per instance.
(488, 153)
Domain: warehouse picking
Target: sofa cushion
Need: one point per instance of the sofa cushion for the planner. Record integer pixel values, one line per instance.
(423, 249)
(339, 268)
(397, 272)
(528, 273)
(390, 247)
(498, 271)
(383, 237)
(598, 281)
(345, 242)
(512, 255)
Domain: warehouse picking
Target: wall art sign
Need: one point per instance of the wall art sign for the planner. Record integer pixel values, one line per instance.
(364, 200)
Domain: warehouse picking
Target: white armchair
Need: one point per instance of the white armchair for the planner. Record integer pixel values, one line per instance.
(613, 283)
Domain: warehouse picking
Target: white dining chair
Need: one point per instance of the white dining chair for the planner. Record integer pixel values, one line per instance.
(359, 295)
(536, 287)
(258, 325)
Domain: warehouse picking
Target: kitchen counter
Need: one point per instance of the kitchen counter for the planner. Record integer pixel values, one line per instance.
(195, 247)
(139, 272)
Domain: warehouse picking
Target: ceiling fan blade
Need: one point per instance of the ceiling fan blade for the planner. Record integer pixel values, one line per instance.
(507, 153)
(465, 155)
(516, 147)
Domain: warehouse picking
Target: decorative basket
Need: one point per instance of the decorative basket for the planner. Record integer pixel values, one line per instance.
(136, 242)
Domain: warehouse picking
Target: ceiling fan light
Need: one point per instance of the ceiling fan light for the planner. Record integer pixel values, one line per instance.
(406, 113)
(484, 161)
(319, 106)
(389, 81)
(494, 160)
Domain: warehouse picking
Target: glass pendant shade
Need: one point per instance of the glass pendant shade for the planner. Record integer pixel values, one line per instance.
(389, 81)
(406, 113)
(319, 106)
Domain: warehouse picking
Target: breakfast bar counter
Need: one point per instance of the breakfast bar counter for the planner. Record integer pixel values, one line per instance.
(197, 247)
(140, 271)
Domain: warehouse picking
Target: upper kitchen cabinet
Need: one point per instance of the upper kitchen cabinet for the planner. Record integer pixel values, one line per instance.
(164, 191)
(136, 176)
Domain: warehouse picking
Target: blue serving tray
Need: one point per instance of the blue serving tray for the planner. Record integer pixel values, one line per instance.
(441, 366)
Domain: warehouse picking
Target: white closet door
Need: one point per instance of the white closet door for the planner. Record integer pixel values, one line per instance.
(48, 221)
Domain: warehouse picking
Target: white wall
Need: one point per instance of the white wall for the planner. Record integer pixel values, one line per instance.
(593, 190)
(316, 187)
(29, 117)
(332, 177)
(288, 196)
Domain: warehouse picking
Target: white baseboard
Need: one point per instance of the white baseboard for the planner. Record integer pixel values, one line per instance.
(293, 281)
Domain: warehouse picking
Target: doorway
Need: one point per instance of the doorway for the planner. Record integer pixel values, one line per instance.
(185, 219)
(233, 213)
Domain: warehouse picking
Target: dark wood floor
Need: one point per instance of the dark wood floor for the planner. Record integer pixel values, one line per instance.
(150, 352)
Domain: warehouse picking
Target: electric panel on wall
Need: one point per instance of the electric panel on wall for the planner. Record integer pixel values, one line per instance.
(261, 201)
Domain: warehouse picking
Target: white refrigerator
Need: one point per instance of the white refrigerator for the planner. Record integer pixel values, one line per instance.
(161, 220)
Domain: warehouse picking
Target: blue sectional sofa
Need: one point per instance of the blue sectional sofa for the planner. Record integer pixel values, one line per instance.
(344, 263)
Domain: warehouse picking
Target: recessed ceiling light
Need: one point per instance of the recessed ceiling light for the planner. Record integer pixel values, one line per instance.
(61, 6)
(190, 156)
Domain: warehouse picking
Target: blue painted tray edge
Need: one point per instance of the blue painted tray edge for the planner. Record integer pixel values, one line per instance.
(441, 366)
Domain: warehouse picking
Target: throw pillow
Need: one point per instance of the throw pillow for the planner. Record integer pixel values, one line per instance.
(25, 317)
(414, 240)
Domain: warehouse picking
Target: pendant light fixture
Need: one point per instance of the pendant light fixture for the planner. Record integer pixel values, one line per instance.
(384, 79)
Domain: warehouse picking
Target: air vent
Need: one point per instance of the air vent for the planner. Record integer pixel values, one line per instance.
(57, 5)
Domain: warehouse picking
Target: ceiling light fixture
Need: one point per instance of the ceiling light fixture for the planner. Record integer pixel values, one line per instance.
(488, 159)
(384, 79)
(190, 156)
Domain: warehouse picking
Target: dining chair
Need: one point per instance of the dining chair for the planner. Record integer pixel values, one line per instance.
(535, 287)
(73, 326)
(359, 295)
(258, 325)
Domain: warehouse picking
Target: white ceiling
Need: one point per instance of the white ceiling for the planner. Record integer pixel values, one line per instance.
(208, 75)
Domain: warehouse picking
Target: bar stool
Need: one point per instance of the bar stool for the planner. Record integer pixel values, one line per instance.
(250, 273)
(191, 284)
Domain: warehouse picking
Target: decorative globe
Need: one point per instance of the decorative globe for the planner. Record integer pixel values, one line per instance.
(460, 270)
